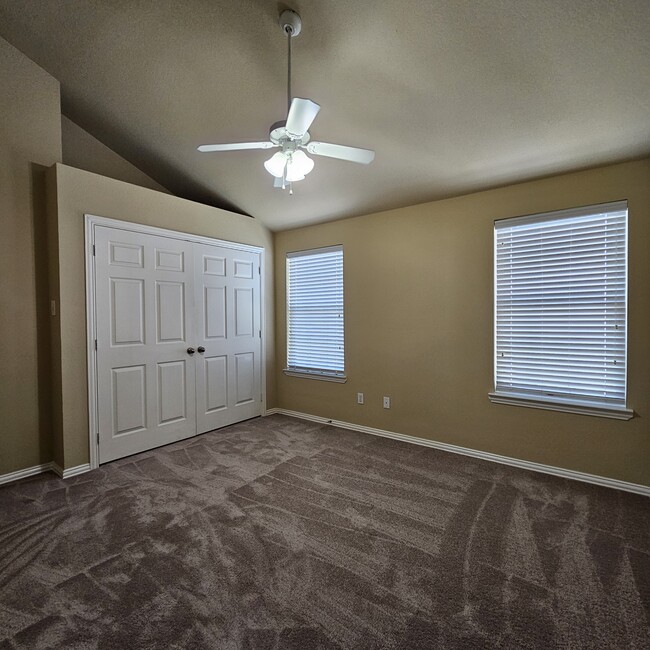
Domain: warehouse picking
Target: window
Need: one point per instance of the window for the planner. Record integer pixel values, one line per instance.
(560, 310)
(315, 345)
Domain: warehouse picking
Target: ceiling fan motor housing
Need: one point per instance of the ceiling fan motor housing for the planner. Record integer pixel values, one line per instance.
(278, 134)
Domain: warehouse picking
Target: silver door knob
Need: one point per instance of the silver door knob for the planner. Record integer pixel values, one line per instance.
(191, 350)
(201, 349)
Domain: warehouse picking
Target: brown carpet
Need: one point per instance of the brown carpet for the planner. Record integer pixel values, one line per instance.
(279, 533)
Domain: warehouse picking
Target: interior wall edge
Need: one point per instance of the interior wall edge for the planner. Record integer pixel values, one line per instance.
(30, 142)
(55, 320)
(82, 150)
(71, 471)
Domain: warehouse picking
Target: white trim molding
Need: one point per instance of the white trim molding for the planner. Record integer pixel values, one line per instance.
(321, 375)
(71, 471)
(594, 479)
(25, 473)
(566, 406)
(40, 469)
(109, 222)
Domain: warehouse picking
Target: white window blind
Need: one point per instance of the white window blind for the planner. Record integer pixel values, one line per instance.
(560, 304)
(315, 311)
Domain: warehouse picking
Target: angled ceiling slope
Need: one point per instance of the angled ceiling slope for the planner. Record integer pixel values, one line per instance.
(454, 97)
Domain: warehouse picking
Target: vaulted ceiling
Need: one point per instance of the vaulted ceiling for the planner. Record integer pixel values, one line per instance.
(454, 96)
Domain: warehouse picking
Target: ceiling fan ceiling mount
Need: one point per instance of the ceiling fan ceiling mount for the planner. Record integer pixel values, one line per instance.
(290, 164)
(290, 23)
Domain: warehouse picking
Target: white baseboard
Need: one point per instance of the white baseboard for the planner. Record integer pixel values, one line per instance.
(24, 473)
(273, 411)
(45, 467)
(475, 453)
(71, 471)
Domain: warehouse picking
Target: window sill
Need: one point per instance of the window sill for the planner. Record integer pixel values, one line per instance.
(322, 376)
(566, 406)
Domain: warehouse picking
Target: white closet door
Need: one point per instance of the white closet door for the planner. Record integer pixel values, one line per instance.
(145, 324)
(227, 314)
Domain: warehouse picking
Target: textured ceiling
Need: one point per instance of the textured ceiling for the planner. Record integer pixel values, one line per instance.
(454, 96)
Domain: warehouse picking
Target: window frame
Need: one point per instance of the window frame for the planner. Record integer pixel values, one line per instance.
(322, 374)
(565, 403)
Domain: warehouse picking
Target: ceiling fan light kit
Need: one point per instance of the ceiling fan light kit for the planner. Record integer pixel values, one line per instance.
(291, 136)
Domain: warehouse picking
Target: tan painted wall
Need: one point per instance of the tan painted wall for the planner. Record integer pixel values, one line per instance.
(79, 192)
(419, 326)
(83, 151)
(30, 141)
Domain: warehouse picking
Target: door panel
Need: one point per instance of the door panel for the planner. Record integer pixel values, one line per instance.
(243, 269)
(170, 311)
(227, 300)
(172, 391)
(122, 254)
(145, 378)
(214, 265)
(127, 311)
(216, 383)
(245, 378)
(244, 313)
(214, 312)
(129, 399)
(169, 260)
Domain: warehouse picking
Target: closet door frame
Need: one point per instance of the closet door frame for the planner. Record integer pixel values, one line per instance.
(90, 222)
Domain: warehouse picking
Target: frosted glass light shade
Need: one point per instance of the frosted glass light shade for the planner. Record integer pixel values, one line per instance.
(293, 174)
(275, 164)
(300, 163)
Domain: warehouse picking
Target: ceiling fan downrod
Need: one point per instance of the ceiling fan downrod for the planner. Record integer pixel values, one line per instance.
(291, 25)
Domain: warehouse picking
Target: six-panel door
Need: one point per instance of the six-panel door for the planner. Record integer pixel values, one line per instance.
(156, 297)
(227, 308)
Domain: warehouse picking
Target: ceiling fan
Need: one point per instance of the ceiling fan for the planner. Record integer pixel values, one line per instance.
(291, 136)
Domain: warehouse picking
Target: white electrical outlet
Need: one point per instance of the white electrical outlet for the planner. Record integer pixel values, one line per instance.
(359, 398)
(386, 402)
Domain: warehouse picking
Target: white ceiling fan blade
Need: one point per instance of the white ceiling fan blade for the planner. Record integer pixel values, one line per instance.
(236, 146)
(301, 114)
(353, 154)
